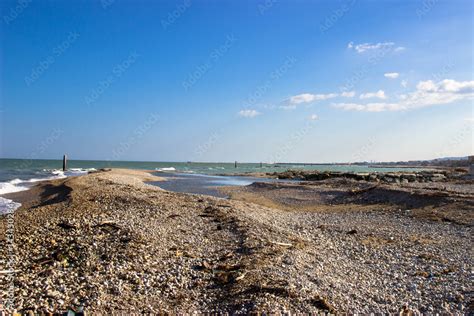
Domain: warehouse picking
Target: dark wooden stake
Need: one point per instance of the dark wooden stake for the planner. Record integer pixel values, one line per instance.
(64, 162)
(471, 165)
(235, 165)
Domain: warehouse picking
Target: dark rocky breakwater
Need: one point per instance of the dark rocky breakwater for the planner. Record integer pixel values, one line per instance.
(385, 177)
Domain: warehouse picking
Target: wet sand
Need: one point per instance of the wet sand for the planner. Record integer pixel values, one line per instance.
(107, 242)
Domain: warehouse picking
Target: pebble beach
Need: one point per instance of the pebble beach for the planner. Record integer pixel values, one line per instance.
(107, 242)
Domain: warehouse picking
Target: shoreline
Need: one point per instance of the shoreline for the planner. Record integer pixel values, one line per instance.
(107, 242)
(32, 194)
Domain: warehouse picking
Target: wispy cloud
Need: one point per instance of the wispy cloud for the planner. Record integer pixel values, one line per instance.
(446, 85)
(427, 93)
(292, 102)
(367, 47)
(392, 75)
(348, 94)
(369, 107)
(371, 95)
(313, 117)
(249, 113)
(404, 83)
(399, 49)
(308, 97)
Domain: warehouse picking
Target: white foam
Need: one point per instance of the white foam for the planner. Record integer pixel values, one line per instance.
(165, 169)
(12, 186)
(16, 181)
(59, 174)
(8, 206)
(17, 185)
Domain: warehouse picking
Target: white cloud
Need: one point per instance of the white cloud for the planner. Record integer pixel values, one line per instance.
(447, 85)
(367, 47)
(349, 106)
(348, 94)
(293, 101)
(370, 107)
(404, 83)
(308, 97)
(392, 75)
(313, 117)
(427, 93)
(248, 113)
(399, 49)
(288, 106)
(426, 86)
(379, 94)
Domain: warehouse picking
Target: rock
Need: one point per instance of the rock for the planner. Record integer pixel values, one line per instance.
(206, 266)
(373, 177)
(66, 225)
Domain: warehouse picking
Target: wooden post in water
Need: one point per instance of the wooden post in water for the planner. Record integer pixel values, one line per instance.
(261, 165)
(64, 162)
(235, 165)
(471, 165)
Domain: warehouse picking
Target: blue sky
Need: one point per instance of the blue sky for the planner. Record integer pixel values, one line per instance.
(273, 80)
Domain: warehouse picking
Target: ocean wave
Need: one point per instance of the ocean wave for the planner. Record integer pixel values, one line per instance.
(17, 185)
(59, 174)
(165, 169)
(12, 186)
(8, 206)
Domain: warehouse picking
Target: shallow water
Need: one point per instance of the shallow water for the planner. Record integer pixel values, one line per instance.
(29, 168)
(203, 184)
(19, 174)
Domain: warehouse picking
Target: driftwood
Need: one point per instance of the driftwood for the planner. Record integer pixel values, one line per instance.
(282, 244)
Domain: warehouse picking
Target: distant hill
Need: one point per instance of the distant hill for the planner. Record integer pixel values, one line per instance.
(451, 158)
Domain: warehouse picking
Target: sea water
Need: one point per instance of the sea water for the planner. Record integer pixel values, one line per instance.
(20, 174)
